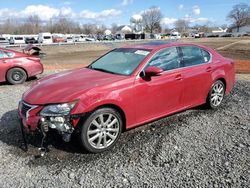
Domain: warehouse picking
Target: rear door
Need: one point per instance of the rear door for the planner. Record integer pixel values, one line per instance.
(196, 71)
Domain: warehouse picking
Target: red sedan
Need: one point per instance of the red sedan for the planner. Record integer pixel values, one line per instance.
(125, 88)
(16, 67)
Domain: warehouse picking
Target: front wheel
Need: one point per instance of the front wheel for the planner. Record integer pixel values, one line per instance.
(216, 94)
(101, 130)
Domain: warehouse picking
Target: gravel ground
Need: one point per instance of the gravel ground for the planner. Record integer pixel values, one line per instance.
(195, 148)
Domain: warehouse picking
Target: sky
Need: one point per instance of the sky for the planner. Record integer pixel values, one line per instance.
(119, 11)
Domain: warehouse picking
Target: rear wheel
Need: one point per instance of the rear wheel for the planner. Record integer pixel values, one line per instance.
(216, 94)
(16, 76)
(101, 130)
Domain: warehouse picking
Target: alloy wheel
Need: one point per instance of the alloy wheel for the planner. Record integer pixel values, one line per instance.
(217, 94)
(103, 130)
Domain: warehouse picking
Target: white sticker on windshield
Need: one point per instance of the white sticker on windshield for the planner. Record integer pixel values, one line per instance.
(141, 52)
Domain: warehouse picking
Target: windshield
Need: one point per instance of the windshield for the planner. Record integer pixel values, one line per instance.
(120, 61)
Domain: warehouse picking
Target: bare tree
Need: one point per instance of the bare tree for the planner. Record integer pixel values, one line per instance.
(240, 15)
(206, 27)
(89, 28)
(64, 25)
(8, 26)
(181, 25)
(166, 30)
(114, 28)
(224, 26)
(100, 29)
(34, 24)
(152, 19)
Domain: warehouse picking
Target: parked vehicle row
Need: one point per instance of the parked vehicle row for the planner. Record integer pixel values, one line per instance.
(123, 89)
(45, 38)
(177, 35)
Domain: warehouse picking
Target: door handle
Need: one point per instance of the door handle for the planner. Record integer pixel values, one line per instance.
(178, 77)
(209, 69)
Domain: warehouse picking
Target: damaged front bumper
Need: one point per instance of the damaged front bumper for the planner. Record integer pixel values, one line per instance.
(31, 121)
(61, 124)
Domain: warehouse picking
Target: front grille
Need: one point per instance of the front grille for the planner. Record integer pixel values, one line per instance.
(25, 108)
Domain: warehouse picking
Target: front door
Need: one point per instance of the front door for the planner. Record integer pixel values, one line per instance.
(159, 95)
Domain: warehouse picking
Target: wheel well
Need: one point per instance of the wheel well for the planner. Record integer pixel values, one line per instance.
(14, 68)
(121, 112)
(224, 82)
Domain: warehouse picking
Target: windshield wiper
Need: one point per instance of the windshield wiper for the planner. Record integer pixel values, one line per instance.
(103, 70)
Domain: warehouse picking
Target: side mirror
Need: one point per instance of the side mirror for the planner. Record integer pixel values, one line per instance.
(153, 71)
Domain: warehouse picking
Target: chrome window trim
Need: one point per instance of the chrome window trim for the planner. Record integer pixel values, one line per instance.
(210, 60)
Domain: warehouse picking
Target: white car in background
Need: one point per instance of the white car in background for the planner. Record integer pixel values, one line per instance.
(69, 40)
(45, 38)
(17, 40)
(79, 38)
(75, 38)
(90, 38)
(175, 35)
(4, 41)
(82, 38)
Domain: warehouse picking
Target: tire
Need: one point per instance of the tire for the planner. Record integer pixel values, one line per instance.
(100, 130)
(16, 76)
(216, 95)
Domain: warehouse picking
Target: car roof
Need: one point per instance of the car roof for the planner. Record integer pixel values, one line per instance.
(155, 45)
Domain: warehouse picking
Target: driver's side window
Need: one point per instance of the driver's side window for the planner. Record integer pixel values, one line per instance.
(166, 59)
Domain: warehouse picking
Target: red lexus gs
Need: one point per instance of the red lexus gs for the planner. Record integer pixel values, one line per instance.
(125, 88)
(16, 67)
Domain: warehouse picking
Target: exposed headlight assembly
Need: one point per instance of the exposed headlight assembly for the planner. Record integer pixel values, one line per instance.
(58, 109)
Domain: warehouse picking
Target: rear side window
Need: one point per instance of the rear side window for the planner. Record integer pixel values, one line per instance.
(4, 54)
(9, 54)
(193, 56)
(1, 55)
(166, 59)
(206, 56)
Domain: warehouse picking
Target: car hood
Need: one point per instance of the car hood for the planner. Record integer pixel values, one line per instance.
(67, 86)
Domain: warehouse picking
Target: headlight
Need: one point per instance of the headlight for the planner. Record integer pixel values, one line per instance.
(58, 109)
